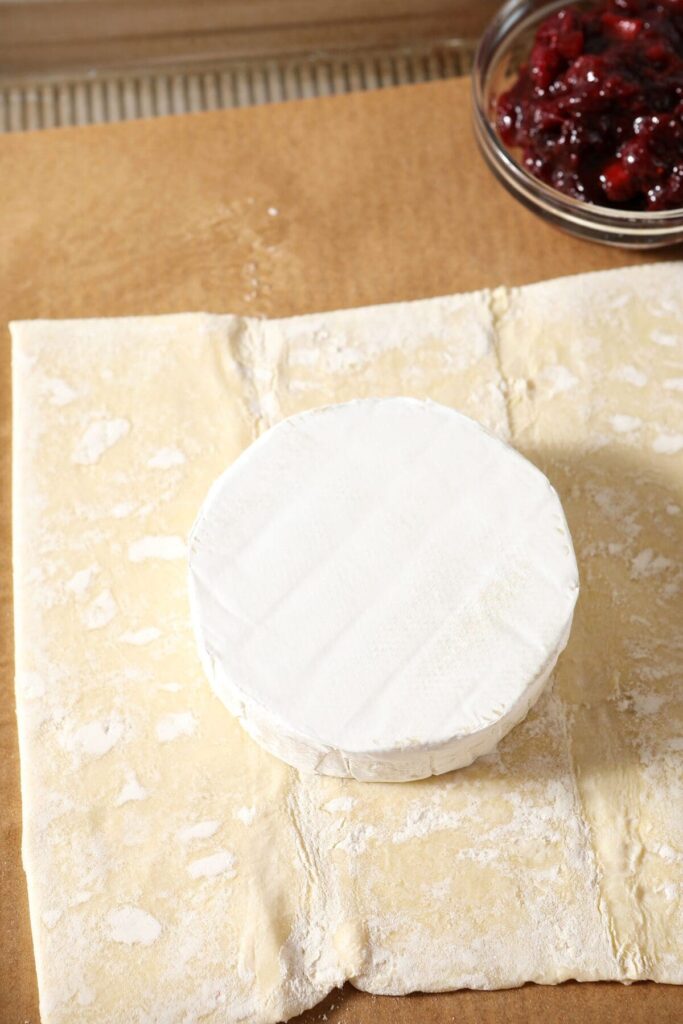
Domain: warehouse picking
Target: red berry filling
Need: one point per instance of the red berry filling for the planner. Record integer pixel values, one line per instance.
(597, 109)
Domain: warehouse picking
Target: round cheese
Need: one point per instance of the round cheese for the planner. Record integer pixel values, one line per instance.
(381, 589)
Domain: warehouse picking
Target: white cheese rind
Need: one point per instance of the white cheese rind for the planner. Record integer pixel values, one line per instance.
(381, 589)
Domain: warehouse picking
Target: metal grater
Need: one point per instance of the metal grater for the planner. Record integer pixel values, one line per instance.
(96, 98)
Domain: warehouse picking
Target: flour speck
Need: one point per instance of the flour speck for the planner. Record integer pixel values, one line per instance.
(245, 814)
(623, 424)
(630, 375)
(201, 830)
(131, 790)
(164, 548)
(668, 444)
(58, 391)
(171, 727)
(165, 458)
(221, 863)
(97, 738)
(131, 925)
(141, 637)
(663, 338)
(81, 581)
(100, 612)
(97, 439)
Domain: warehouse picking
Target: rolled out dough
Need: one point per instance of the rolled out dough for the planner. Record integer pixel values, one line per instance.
(178, 872)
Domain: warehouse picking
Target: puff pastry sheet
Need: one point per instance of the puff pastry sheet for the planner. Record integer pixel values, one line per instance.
(176, 871)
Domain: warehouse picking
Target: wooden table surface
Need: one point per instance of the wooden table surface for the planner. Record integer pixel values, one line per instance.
(373, 197)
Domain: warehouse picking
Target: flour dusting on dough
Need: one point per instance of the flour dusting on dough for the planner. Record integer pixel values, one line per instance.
(131, 791)
(97, 439)
(165, 548)
(630, 375)
(245, 814)
(559, 378)
(201, 830)
(123, 509)
(31, 685)
(80, 582)
(647, 703)
(166, 458)
(624, 424)
(340, 803)
(100, 612)
(141, 637)
(221, 863)
(97, 738)
(51, 917)
(171, 727)
(356, 839)
(663, 338)
(59, 392)
(647, 563)
(668, 444)
(132, 926)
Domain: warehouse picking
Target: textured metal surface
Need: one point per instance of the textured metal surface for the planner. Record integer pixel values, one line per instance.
(98, 98)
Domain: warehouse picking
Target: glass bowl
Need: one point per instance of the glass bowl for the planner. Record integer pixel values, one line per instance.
(503, 47)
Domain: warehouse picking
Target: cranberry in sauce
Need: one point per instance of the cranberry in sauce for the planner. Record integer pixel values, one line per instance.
(597, 110)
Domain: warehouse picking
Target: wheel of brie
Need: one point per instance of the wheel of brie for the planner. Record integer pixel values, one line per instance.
(381, 589)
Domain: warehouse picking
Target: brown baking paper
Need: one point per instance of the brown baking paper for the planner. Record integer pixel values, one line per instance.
(377, 197)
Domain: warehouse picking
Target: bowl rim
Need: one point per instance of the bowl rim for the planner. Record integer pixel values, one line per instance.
(508, 23)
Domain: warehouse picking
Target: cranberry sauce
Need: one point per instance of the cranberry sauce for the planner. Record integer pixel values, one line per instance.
(597, 110)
